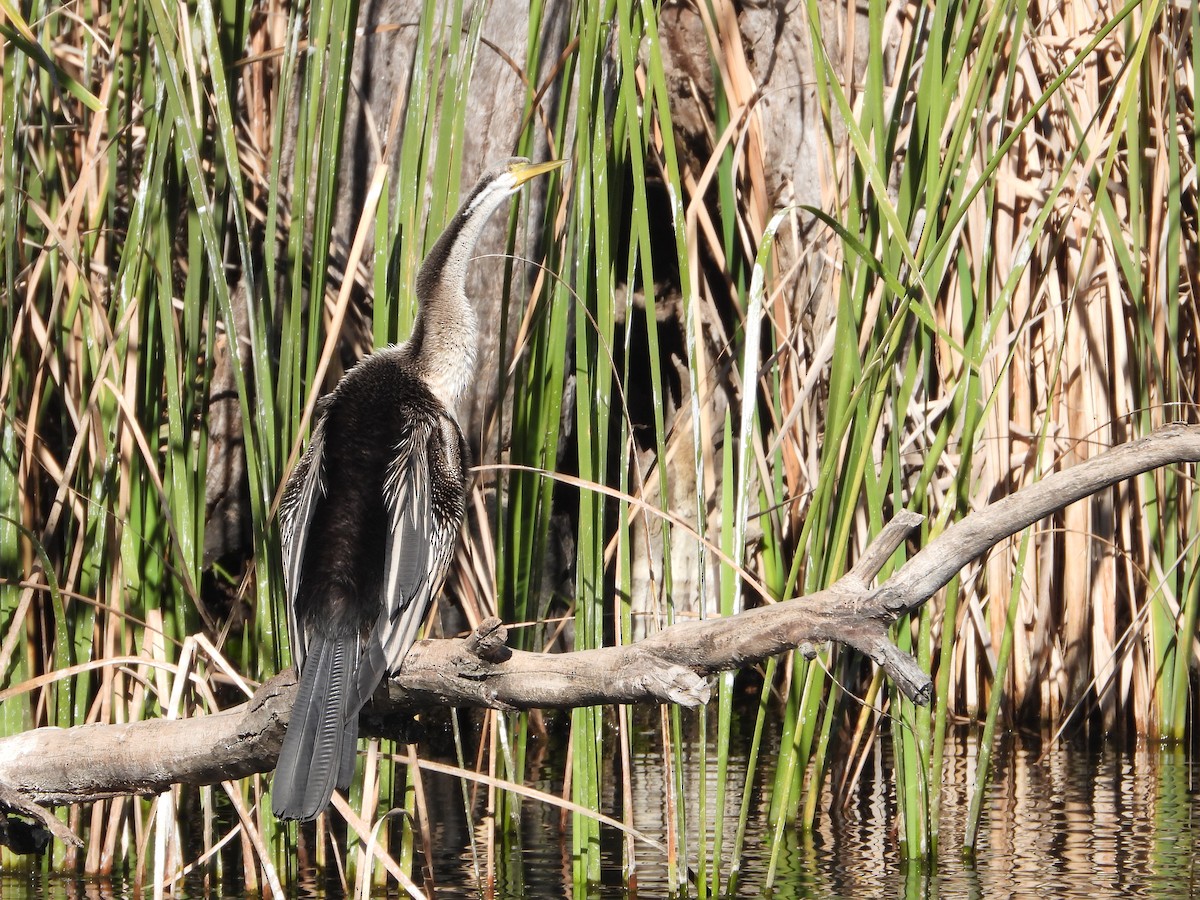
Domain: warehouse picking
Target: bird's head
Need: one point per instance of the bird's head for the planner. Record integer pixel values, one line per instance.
(504, 181)
(518, 170)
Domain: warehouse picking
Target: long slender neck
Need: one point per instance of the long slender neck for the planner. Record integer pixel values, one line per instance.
(443, 341)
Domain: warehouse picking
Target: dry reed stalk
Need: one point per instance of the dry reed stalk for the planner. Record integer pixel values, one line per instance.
(1065, 368)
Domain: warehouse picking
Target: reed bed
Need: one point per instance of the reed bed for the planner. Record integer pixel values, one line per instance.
(996, 279)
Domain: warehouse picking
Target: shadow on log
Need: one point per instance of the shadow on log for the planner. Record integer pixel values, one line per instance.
(54, 766)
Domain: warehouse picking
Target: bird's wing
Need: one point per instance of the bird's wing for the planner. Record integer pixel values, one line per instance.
(304, 489)
(418, 549)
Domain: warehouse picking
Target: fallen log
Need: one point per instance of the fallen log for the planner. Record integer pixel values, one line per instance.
(55, 766)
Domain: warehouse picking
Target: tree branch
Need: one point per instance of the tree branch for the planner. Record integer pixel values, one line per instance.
(978, 532)
(90, 762)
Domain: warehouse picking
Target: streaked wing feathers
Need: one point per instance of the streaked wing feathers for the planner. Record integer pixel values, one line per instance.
(296, 509)
(416, 556)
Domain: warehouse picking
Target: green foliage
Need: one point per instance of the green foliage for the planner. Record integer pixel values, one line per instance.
(1007, 234)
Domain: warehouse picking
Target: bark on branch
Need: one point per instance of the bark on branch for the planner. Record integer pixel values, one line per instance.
(58, 766)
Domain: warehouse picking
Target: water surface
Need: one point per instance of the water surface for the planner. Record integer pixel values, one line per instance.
(1063, 822)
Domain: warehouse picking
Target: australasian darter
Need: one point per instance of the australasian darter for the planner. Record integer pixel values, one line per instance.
(370, 515)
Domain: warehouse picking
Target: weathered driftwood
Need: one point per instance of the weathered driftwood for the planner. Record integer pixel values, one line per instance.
(54, 766)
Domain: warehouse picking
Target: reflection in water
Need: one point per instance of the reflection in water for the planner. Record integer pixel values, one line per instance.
(1064, 822)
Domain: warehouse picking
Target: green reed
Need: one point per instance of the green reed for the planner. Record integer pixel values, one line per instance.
(133, 263)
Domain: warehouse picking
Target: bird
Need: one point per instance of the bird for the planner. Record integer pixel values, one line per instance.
(371, 512)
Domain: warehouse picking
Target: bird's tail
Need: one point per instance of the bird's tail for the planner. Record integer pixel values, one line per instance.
(321, 741)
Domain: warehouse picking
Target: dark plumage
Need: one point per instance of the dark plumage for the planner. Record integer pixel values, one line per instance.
(370, 514)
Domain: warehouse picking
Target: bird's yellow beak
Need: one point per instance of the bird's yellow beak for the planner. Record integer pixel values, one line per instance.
(524, 171)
